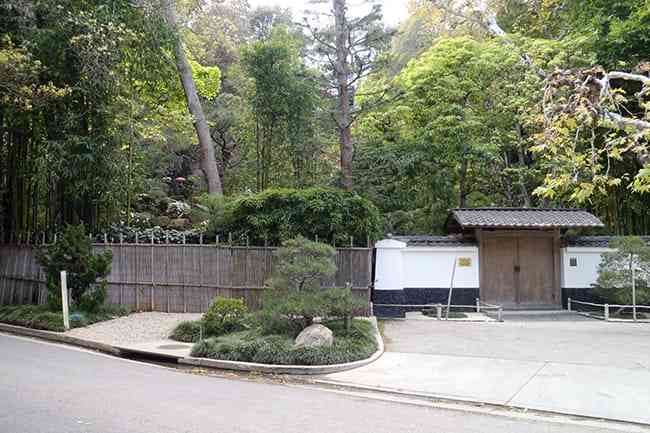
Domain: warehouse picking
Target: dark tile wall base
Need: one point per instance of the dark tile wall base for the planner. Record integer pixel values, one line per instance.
(419, 296)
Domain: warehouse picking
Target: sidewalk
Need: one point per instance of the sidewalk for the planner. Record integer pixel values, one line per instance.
(594, 391)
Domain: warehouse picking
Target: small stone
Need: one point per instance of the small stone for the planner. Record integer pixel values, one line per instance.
(315, 335)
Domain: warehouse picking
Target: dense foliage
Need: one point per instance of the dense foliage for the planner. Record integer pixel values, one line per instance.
(86, 271)
(296, 296)
(41, 317)
(356, 344)
(95, 127)
(276, 215)
(614, 282)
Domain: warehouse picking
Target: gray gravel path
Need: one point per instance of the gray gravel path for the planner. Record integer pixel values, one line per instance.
(134, 328)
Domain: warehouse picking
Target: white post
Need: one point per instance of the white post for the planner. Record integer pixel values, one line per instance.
(64, 300)
(633, 288)
(500, 314)
(478, 305)
(606, 311)
(439, 311)
(568, 304)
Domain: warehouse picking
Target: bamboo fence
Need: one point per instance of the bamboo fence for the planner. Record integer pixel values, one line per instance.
(175, 277)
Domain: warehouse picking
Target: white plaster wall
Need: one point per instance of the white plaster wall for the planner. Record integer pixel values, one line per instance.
(585, 273)
(433, 266)
(388, 265)
(398, 266)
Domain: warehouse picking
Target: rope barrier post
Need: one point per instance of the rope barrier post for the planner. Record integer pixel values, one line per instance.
(568, 304)
(606, 312)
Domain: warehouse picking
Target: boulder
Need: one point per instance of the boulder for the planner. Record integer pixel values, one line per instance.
(315, 336)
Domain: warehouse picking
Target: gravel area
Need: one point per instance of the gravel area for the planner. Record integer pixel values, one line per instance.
(134, 328)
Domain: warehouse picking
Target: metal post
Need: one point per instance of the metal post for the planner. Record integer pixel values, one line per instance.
(568, 304)
(606, 311)
(64, 300)
(478, 305)
(500, 314)
(439, 311)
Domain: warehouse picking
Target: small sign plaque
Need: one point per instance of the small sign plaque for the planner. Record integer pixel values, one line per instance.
(464, 262)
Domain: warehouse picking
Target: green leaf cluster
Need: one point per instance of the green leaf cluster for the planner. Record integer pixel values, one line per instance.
(86, 271)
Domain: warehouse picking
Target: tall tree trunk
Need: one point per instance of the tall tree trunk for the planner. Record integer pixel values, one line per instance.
(208, 159)
(342, 76)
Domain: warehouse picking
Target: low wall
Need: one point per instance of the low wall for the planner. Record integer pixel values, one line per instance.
(176, 278)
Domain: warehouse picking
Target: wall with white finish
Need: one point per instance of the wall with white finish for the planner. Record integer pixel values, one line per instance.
(433, 266)
(388, 264)
(398, 266)
(580, 266)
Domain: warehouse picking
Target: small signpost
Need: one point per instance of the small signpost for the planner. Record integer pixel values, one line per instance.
(64, 300)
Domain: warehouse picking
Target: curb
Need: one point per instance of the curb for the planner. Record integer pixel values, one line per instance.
(202, 362)
(289, 369)
(59, 338)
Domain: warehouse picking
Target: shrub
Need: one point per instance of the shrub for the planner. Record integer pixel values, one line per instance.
(355, 345)
(224, 315)
(275, 215)
(294, 297)
(614, 282)
(86, 271)
(187, 332)
(39, 317)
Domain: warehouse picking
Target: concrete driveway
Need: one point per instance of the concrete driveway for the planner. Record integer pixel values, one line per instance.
(548, 361)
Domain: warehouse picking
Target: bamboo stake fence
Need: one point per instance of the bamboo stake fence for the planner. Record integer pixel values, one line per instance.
(148, 276)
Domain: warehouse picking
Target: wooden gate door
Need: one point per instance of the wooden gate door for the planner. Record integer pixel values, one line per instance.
(498, 261)
(519, 269)
(536, 282)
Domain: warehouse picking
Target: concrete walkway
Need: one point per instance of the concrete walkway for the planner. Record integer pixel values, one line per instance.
(543, 379)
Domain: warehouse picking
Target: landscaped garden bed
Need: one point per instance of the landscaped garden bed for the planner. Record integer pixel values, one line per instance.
(42, 317)
(300, 322)
(86, 279)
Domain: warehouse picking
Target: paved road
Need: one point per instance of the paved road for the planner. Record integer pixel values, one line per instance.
(54, 389)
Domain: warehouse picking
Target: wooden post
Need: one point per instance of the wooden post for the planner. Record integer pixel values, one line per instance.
(633, 288)
(451, 288)
(64, 300)
(121, 262)
(153, 284)
(183, 275)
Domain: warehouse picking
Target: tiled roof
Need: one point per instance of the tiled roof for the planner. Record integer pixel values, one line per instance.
(521, 218)
(435, 241)
(594, 241)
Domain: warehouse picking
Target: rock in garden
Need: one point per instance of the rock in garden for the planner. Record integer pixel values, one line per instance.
(315, 336)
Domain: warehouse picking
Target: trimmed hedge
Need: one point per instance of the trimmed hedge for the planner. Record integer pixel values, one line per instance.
(275, 215)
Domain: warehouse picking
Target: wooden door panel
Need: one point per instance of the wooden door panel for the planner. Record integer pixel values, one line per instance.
(536, 280)
(499, 264)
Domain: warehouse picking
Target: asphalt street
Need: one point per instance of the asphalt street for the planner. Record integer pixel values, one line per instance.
(46, 388)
